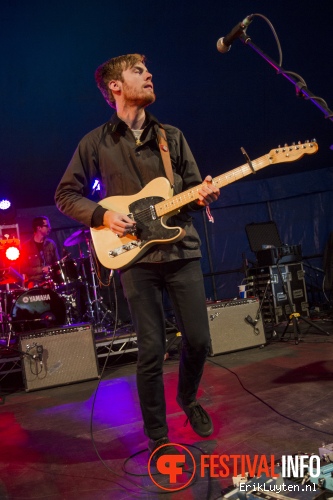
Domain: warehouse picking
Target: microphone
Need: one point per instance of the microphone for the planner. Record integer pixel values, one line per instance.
(223, 44)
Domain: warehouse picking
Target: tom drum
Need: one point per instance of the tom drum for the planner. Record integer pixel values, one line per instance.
(64, 272)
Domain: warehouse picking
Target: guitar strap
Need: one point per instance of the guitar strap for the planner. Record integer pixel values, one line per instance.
(165, 154)
(167, 164)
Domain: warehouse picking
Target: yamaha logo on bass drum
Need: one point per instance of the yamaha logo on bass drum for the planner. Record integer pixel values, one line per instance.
(36, 298)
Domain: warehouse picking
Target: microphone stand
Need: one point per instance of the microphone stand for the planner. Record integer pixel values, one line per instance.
(301, 91)
(301, 88)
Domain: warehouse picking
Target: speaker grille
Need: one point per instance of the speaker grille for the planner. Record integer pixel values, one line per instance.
(68, 355)
(229, 330)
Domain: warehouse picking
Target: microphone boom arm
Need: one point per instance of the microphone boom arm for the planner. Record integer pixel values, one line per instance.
(301, 88)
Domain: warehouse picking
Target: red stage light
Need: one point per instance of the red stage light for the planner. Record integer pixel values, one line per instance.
(12, 253)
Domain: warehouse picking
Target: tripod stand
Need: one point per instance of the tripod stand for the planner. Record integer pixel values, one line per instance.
(6, 327)
(294, 316)
(97, 312)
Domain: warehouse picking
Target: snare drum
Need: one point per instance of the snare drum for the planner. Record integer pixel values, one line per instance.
(37, 308)
(64, 272)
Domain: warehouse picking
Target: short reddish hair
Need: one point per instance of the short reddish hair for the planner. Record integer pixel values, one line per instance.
(113, 70)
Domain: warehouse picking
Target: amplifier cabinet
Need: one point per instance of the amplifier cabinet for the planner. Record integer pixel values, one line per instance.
(271, 285)
(58, 356)
(230, 325)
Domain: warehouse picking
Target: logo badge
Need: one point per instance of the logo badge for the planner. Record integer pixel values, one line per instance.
(179, 469)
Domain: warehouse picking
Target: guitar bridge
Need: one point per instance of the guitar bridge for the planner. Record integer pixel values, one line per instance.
(125, 248)
(152, 212)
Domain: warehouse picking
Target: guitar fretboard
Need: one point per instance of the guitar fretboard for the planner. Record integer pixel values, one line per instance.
(279, 155)
(182, 199)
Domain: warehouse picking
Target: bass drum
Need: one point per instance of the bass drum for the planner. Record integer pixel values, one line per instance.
(37, 308)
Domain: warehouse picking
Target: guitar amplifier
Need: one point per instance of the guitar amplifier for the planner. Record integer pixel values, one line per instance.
(58, 356)
(231, 325)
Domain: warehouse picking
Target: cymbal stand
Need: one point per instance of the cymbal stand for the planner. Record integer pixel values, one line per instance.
(5, 318)
(97, 302)
(2, 314)
(90, 312)
(106, 310)
(70, 307)
(9, 336)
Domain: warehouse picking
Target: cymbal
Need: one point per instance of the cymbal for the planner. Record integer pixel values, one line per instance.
(76, 238)
(7, 280)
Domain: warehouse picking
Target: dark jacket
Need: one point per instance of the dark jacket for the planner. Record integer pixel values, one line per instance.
(34, 261)
(111, 154)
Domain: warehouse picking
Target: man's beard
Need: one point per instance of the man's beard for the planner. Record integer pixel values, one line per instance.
(136, 98)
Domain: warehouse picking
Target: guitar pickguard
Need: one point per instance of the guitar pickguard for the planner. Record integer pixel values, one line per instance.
(148, 225)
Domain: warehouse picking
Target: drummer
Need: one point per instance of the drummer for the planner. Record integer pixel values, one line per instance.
(38, 254)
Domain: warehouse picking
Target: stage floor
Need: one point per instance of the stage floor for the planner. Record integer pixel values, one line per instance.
(85, 440)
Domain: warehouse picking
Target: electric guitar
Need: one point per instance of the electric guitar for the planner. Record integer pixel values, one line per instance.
(154, 204)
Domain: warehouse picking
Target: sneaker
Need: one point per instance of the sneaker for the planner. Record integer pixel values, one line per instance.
(165, 450)
(199, 419)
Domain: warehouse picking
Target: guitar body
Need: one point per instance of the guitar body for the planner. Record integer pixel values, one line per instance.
(117, 253)
(155, 203)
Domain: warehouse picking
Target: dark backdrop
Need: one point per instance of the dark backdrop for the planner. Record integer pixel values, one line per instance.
(49, 52)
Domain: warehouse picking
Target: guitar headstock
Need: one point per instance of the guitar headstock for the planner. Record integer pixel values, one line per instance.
(293, 152)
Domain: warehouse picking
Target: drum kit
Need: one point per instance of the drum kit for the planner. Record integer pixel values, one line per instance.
(69, 294)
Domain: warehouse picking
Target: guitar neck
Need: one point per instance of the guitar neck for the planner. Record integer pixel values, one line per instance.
(182, 199)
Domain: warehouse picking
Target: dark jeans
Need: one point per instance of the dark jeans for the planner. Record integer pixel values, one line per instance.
(143, 286)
